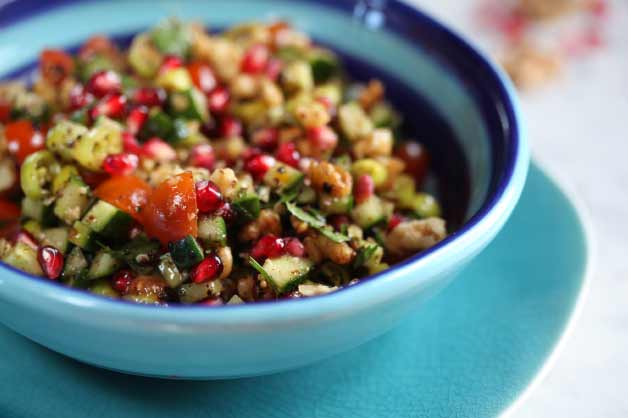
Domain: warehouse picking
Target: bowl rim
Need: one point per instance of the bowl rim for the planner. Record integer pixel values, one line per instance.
(474, 234)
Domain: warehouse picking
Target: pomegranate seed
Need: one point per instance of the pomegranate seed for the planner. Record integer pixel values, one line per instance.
(26, 238)
(148, 96)
(122, 281)
(207, 270)
(338, 221)
(322, 137)
(170, 62)
(103, 83)
(273, 69)
(295, 247)
(226, 212)
(394, 221)
(287, 153)
(218, 100)
(230, 127)
(202, 155)
(120, 164)
(111, 106)
(250, 152)
(269, 246)
(130, 144)
(136, 119)
(79, 97)
(51, 261)
(212, 302)
(265, 138)
(255, 59)
(158, 149)
(364, 188)
(208, 197)
(259, 165)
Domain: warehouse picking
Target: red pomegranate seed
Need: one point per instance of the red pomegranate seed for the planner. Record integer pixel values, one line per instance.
(208, 269)
(103, 83)
(295, 247)
(255, 59)
(273, 69)
(136, 119)
(122, 280)
(364, 188)
(417, 159)
(170, 62)
(208, 197)
(218, 100)
(269, 246)
(265, 138)
(130, 144)
(338, 221)
(202, 155)
(120, 164)
(259, 165)
(322, 137)
(394, 221)
(148, 96)
(226, 212)
(26, 238)
(230, 127)
(211, 302)
(111, 106)
(287, 153)
(51, 261)
(79, 97)
(158, 149)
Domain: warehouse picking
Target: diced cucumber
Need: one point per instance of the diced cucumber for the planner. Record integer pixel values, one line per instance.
(172, 37)
(369, 213)
(56, 237)
(75, 263)
(306, 196)
(333, 274)
(186, 252)
(324, 65)
(330, 205)
(107, 220)
(354, 123)
(157, 124)
(144, 57)
(297, 76)
(425, 206)
(169, 271)
(384, 116)
(103, 288)
(281, 177)
(62, 137)
(104, 139)
(286, 272)
(72, 201)
(247, 207)
(175, 79)
(95, 64)
(195, 292)
(212, 230)
(140, 254)
(36, 174)
(32, 227)
(104, 264)
(82, 236)
(189, 104)
(368, 255)
(35, 209)
(23, 257)
(64, 176)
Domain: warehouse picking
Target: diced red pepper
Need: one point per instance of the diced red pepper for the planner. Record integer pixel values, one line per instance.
(22, 139)
(55, 65)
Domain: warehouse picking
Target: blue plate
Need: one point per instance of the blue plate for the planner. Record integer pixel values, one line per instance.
(470, 352)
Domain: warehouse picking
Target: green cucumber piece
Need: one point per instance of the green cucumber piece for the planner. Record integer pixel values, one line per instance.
(36, 210)
(324, 65)
(332, 274)
(82, 236)
(75, 263)
(247, 207)
(330, 205)
(107, 220)
(141, 254)
(23, 257)
(169, 271)
(32, 227)
(72, 201)
(103, 288)
(104, 264)
(282, 177)
(157, 124)
(186, 252)
(190, 104)
(369, 213)
(56, 237)
(195, 292)
(286, 272)
(384, 116)
(172, 37)
(213, 230)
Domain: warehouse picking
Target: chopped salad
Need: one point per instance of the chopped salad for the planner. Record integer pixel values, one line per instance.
(212, 169)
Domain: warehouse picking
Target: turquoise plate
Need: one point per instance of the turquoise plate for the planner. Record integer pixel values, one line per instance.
(470, 352)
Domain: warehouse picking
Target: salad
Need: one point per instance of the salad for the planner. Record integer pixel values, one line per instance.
(207, 168)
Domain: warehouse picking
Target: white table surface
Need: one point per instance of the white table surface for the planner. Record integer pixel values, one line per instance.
(578, 128)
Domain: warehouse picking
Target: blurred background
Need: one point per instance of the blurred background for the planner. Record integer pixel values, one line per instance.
(569, 59)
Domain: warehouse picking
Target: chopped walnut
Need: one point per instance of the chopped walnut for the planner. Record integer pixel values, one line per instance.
(371, 94)
(299, 226)
(329, 178)
(319, 247)
(226, 181)
(268, 222)
(312, 115)
(377, 143)
(415, 235)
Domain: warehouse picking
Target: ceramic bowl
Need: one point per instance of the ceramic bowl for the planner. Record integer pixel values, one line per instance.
(454, 100)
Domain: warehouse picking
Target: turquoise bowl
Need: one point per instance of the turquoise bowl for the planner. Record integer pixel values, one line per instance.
(442, 84)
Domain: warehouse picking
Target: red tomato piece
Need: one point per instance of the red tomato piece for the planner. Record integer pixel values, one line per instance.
(8, 211)
(22, 139)
(171, 212)
(55, 65)
(127, 193)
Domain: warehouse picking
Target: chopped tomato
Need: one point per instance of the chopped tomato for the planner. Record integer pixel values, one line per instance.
(5, 112)
(8, 211)
(22, 139)
(171, 211)
(127, 193)
(98, 44)
(55, 65)
(202, 76)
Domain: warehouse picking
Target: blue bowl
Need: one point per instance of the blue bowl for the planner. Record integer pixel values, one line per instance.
(455, 100)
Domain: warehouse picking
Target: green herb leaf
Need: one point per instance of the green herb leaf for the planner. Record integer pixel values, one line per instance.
(364, 254)
(257, 266)
(334, 236)
(304, 216)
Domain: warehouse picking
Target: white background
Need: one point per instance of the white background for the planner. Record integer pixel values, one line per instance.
(578, 128)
